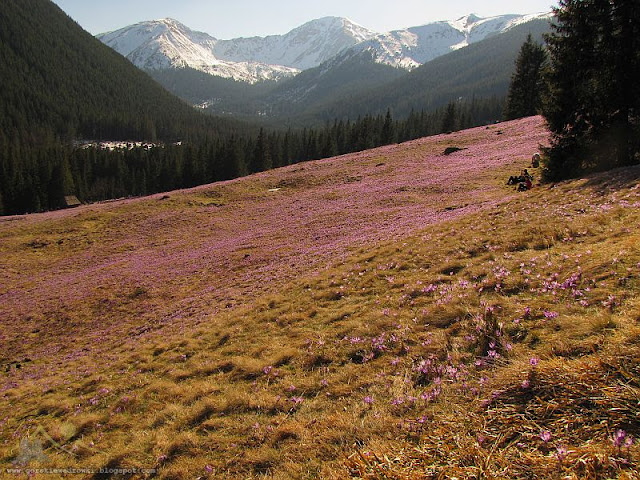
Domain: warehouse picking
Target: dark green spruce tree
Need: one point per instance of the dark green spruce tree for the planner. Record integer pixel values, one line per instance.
(261, 159)
(388, 135)
(592, 109)
(450, 118)
(527, 82)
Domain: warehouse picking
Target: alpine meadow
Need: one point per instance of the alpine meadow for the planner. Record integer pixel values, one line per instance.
(393, 274)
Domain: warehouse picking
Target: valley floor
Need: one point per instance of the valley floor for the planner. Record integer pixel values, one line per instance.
(395, 313)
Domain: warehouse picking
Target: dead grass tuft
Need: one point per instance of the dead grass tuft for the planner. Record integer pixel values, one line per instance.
(286, 432)
(246, 368)
(203, 412)
(443, 316)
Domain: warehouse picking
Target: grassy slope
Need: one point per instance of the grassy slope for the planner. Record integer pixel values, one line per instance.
(376, 316)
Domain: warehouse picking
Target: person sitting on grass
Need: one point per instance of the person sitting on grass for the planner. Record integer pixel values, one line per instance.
(535, 160)
(526, 185)
(515, 180)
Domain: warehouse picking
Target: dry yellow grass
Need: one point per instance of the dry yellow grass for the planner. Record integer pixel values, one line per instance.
(504, 343)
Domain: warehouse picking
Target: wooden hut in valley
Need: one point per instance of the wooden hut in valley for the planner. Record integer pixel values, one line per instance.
(71, 201)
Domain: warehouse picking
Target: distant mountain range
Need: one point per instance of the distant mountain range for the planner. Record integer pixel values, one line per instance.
(356, 82)
(166, 43)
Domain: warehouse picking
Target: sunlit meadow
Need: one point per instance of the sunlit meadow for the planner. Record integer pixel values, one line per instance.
(394, 313)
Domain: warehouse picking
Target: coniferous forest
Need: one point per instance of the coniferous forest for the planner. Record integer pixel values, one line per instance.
(593, 107)
(36, 178)
(61, 85)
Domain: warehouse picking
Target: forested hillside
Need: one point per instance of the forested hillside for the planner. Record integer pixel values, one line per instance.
(59, 81)
(220, 96)
(310, 97)
(60, 84)
(481, 70)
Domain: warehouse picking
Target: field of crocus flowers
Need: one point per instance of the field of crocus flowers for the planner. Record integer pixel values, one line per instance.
(395, 313)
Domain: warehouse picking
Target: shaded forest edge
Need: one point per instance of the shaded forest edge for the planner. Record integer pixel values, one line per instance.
(37, 177)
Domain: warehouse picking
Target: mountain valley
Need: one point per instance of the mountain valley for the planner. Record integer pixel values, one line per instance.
(392, 310)
(324, 270)
(327, 68)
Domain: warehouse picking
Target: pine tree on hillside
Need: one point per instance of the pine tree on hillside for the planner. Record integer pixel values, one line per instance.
(388, 134)
(592, 110)
(261, 159)
(625, 102)
(527, 82)
(449, 119)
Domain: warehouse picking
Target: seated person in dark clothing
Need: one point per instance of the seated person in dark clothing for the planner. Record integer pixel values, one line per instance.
(513, 180)
(526, 185)
(524, 175)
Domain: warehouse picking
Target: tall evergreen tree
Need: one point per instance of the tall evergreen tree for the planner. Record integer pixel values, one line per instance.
(450, 118)
(527, 82)
(261, 159)
(592, 110)
(625, 102)
(388, 135)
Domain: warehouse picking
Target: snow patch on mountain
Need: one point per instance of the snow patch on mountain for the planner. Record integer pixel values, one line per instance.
(167, 43)
(412, 47)
(302, 48)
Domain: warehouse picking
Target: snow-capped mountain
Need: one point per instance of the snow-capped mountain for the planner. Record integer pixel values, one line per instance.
(412, 47)
(167, 43)
(302, 48)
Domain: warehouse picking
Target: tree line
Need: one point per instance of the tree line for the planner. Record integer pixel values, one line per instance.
(36, 177)
(582, 80)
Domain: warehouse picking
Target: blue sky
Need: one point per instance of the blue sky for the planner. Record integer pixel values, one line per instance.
(227, 19)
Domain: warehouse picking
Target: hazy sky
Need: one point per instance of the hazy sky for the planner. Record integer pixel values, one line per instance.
(225, 19)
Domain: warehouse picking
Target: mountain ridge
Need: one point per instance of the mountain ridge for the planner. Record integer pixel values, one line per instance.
(353, 83)
(481, 70)
(167, 43)
(60, 82)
